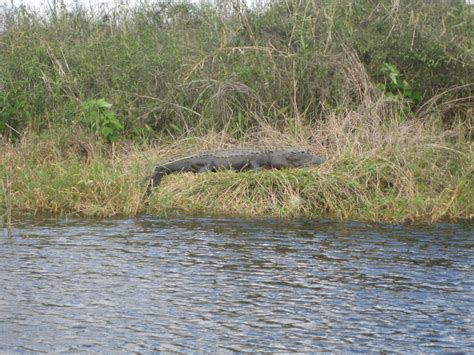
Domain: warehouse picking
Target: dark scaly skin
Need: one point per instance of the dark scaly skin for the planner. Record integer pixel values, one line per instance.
(234, 159)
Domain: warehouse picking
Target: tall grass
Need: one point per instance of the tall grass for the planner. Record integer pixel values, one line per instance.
(189, 69)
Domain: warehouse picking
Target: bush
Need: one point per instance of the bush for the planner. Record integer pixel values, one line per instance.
(181, 68)
(99, 117)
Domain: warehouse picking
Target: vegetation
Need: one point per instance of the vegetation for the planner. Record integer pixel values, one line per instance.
(90, 100)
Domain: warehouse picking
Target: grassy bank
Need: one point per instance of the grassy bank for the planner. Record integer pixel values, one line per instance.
(91, 100)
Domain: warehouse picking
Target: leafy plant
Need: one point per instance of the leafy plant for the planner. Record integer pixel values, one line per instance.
(397, 86)
(101, 119)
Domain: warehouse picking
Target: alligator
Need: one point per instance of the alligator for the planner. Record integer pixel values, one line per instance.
(234, 159)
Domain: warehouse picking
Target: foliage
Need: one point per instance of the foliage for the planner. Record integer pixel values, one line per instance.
(399, 87)
(97, 114)
(193, 77)
(191, 69)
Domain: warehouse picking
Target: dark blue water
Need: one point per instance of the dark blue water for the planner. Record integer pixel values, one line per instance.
(207, 284)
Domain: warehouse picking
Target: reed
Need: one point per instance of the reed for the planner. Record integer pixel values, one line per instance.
(7, 192)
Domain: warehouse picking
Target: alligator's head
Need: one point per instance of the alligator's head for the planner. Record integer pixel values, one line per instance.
(301, 158)
(293, 159)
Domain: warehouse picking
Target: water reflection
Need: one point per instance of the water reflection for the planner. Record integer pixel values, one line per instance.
(189, 284)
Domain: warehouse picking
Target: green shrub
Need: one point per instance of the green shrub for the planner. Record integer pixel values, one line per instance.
(97, 114)
(396, 86)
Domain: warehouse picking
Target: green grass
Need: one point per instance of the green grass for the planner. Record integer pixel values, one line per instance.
(100, 189)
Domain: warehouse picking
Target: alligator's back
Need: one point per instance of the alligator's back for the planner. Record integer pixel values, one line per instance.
(238, 152)
(224, 153)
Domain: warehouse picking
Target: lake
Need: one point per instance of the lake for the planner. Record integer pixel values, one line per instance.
(207, 284)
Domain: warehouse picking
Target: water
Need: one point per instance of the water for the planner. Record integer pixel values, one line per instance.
(207, 285)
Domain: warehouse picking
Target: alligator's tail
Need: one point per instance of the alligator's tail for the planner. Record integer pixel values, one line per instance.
(152, 181)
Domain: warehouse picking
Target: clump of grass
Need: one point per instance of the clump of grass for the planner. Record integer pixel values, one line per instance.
(6, 191)
(52, 179)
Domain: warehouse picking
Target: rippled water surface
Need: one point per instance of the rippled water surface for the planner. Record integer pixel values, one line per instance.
(207, 284)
